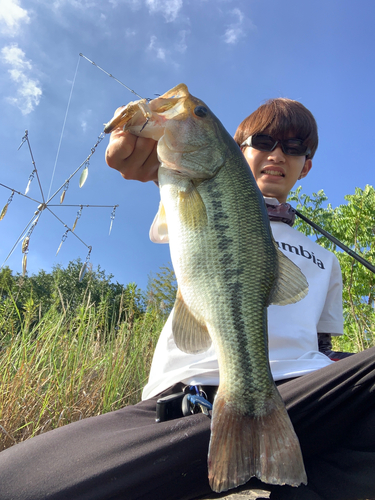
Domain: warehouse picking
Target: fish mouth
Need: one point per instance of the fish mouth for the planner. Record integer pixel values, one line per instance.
(158, 110)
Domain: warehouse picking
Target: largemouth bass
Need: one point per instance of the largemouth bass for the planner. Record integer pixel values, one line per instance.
(228, 269)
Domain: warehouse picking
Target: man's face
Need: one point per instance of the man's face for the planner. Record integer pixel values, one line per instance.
(275, 172)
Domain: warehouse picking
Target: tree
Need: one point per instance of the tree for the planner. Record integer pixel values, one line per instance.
(25, 300)
(352, 223)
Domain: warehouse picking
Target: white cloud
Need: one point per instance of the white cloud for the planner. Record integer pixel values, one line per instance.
(133, 4)
(129, 32)
(169, 8)
(232, 35)
(238, 13)
(15, 57)
(11, 17)
(159, 51)
(78, 4)
(28, 91)
(237, 29)
(85, 119)
(181, 44)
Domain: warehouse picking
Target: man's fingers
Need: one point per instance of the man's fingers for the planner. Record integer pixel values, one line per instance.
(134, 157)
(149, 169)
(121, 146)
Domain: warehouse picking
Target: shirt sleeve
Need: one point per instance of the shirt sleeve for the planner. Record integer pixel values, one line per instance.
(331, 319)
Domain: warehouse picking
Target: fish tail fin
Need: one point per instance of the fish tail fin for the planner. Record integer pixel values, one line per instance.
(243, 446)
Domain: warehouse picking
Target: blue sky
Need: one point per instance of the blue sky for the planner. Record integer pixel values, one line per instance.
(232, 54)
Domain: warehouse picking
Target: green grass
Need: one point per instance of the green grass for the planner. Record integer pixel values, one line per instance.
(67, 366)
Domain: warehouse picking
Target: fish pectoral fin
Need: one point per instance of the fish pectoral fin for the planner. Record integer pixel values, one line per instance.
(291, 285)
(190, 335)
(162, 222)
(192, 209)
(159, 227)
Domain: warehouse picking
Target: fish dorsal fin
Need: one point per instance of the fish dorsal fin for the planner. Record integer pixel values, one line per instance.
(179, 90)
(192, 209)
(159, 227)
(190, 335)
(291, 285)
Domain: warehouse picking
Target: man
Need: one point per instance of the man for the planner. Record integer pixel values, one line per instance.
(125, 454)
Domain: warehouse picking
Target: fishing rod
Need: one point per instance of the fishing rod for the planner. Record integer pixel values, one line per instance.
(337, 242)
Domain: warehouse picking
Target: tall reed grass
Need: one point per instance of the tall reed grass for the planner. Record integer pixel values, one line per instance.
(67, 366)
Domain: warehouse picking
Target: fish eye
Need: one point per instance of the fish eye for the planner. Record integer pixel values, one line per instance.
(200, 111)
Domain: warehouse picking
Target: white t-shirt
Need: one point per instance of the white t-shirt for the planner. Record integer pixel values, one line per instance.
(292, 329)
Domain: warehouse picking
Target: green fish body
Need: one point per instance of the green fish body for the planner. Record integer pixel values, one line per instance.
(228, 270)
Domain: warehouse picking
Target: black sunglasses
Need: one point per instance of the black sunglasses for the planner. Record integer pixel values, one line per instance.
(262, 142)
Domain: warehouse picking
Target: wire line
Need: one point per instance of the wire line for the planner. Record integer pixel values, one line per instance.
(63, 128)
(109, 74)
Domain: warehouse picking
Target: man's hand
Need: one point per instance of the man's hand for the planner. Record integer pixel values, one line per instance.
(134, 157)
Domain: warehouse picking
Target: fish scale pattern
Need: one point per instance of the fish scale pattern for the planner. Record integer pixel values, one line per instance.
(245, 271)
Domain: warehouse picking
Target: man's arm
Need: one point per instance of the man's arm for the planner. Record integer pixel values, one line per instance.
(325, 346)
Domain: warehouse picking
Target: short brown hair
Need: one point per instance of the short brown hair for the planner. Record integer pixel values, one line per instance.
(279, 117)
